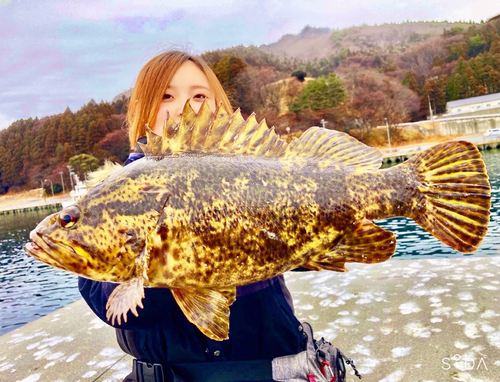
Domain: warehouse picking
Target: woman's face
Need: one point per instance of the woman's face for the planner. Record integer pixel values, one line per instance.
(188, 83)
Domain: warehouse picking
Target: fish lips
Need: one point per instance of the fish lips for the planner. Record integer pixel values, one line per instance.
(58, 255)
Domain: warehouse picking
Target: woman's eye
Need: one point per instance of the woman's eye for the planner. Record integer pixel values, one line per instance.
(167, 96)
(200, 96)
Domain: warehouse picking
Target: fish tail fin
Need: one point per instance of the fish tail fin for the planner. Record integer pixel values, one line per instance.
(453, 198)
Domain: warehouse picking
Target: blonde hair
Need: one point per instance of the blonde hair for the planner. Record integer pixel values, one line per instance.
(152, 83)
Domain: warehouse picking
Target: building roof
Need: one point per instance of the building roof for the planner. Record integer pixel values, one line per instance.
(493, 18)
(470, 101)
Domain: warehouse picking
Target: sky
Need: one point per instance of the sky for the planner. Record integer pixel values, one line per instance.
(60, 53)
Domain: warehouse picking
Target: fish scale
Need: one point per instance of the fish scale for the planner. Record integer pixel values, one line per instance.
(219, 202)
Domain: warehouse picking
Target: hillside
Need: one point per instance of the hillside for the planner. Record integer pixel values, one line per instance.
(313, 43)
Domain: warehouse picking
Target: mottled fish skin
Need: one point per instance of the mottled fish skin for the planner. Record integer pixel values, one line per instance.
(252, 217)
(220, 202)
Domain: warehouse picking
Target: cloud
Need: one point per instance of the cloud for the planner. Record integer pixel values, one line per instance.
(5, 121)
(58, 53)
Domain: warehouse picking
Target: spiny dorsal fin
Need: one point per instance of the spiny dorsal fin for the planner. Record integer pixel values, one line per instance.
(326, 145)
(219, 132)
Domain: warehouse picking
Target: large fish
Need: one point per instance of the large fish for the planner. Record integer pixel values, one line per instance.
(219, 202)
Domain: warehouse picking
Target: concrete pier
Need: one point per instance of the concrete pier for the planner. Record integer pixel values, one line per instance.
(435, 320)
(399, 155)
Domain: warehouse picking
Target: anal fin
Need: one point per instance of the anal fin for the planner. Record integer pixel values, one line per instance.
(207, 309)
(365, 243)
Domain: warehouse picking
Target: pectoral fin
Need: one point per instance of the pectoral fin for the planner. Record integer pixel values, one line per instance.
(365, 242)
(207, 309)
(126, 296)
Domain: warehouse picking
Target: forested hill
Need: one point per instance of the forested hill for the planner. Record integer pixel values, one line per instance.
(313, 43)
(359, 82)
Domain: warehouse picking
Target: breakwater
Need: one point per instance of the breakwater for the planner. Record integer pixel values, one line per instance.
(404, 154)
(22, 210)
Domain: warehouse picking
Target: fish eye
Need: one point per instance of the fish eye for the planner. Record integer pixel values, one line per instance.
(69, 216)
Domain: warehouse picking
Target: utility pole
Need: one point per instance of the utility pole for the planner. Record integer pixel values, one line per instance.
(430, 108)
(388, 133)
(62, 180)
(51, 186)
(70, 169)
(323, 123)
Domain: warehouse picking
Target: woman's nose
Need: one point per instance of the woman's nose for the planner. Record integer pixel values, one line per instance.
(176, 113)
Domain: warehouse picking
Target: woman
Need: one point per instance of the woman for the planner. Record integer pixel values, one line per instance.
(164, 343)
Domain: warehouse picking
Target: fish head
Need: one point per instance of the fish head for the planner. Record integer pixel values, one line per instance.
(100, 238)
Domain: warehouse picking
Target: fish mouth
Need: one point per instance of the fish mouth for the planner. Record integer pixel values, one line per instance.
(58, 255)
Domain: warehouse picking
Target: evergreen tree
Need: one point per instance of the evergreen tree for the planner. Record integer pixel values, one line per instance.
(322, 93)
(458, 85)
(410, 81)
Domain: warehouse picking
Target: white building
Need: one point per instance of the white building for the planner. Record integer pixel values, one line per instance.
(477, 105)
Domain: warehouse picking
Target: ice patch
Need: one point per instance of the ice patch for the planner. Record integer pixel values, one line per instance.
(416, 329)
(397, 376)
(489, 314)
(487, 328)
(343, 313)
(436, 320)
(5, 366)
(31, 378)
(458, 313)
(54, 356)
(72, 357)
(325, 302)
(20, 337)
(368, 364)
(409, 307)
(32, 346)
(489, 287)
(89, 374)
(494, 339)
(471, 330)
(471, 307)
(427, 292)
(368, 338)
(306, 307)
(105, 364)
(400, 352)
(361, 349)
(444, 311)
(465, 296)
(386, 331)
(111, 352)
(347, 321)
(96, 324)
(461, 345)
(364, 300)
(52, 341)
(373, 319)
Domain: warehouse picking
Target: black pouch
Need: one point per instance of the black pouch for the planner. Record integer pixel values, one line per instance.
(320, 362)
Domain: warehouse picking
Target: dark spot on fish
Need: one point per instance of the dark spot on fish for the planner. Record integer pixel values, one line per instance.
(176, 254)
